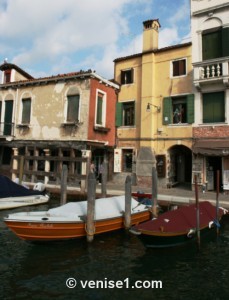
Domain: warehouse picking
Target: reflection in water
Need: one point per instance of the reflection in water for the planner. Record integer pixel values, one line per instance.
(39, 271)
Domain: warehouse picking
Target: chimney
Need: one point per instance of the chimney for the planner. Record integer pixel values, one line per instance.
(150, 34)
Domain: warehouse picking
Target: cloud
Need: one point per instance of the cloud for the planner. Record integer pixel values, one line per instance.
(168, 36)
(45, 32)
(67, 35)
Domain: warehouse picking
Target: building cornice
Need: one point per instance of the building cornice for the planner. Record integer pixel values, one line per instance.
(209, 9)
(153, 51)
(59, 78)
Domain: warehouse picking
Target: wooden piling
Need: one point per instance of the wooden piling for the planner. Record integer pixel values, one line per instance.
(104, 179)
(91, 191)
(197, 213)
(63, 185)
(217, 202)
(21, 168)
(127, 217)
(154, 192)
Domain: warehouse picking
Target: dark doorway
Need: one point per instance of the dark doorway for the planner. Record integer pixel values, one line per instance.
(214, 163)
(181, 166)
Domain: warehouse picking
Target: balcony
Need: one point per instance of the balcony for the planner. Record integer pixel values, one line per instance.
(214, 71)
(6, 130)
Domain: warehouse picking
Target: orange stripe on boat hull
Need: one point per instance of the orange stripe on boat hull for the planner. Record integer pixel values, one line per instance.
(45, 231)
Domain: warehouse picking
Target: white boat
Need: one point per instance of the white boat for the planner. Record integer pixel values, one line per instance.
(13, 195)
(69, 221)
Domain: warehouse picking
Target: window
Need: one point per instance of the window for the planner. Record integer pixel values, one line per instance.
(179, 67)
(7, 75)
(8, 125)
(215, 43)
(99, 109)
(128, 113)
(212, 44)
(26, 111)
(127, 76)
(125, 113)
(213, 107)
(178, 110)
(73, 108)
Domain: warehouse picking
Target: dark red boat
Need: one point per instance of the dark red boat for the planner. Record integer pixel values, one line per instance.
(179, 226)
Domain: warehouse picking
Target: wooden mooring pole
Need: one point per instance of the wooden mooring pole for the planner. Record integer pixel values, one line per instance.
(91, 191)
(154, 191)
(127, 218)
(217, 202)
(104, 179)
(197, 213)
(21, 168)
(63, 185)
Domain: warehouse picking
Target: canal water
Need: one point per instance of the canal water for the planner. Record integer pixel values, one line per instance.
(41, 271)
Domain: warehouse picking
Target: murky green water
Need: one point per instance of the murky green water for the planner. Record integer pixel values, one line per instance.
(40, 271)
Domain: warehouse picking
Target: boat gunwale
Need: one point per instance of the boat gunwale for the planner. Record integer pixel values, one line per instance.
(6, 220)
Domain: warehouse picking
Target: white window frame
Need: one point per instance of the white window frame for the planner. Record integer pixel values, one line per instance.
(104, 106)
(171, 67)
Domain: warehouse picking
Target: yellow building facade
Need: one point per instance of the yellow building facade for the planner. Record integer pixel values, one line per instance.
(155, 111)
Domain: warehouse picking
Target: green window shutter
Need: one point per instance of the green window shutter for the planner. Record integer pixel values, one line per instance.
(135, 113)
(225, 41)
(73, 108)
(118, 115)
(99, 110)
(190, 108)
(212, 44)
(8, 117)
(213, 107)
(167, 111)
(26, 111)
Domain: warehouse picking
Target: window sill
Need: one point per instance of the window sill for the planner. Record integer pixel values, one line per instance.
(179, 124)
(127, 127)
(101, 129)
(213, 124)
(71, 124)
(22, 125)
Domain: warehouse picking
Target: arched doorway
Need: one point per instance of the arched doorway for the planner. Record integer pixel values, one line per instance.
(180, 169)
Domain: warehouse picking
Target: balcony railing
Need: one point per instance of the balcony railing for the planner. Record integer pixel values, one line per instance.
(207, 72)
(6, 129)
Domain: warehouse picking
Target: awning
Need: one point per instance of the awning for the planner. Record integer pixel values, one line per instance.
(216, 147)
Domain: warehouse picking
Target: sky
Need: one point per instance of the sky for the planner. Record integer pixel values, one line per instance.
(50, 37)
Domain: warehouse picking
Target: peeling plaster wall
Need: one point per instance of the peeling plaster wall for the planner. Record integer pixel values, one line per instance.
(48, 111)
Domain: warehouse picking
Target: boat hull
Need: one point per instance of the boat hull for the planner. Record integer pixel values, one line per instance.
(172, 240)
(51, 231)
(179, 226)
(14, 202)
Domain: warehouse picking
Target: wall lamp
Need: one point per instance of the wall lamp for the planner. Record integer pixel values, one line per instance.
(148, 107)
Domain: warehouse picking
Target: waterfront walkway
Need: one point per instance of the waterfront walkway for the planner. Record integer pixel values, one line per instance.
(173, 196)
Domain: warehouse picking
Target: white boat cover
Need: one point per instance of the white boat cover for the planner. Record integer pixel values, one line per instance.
(104, 208)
